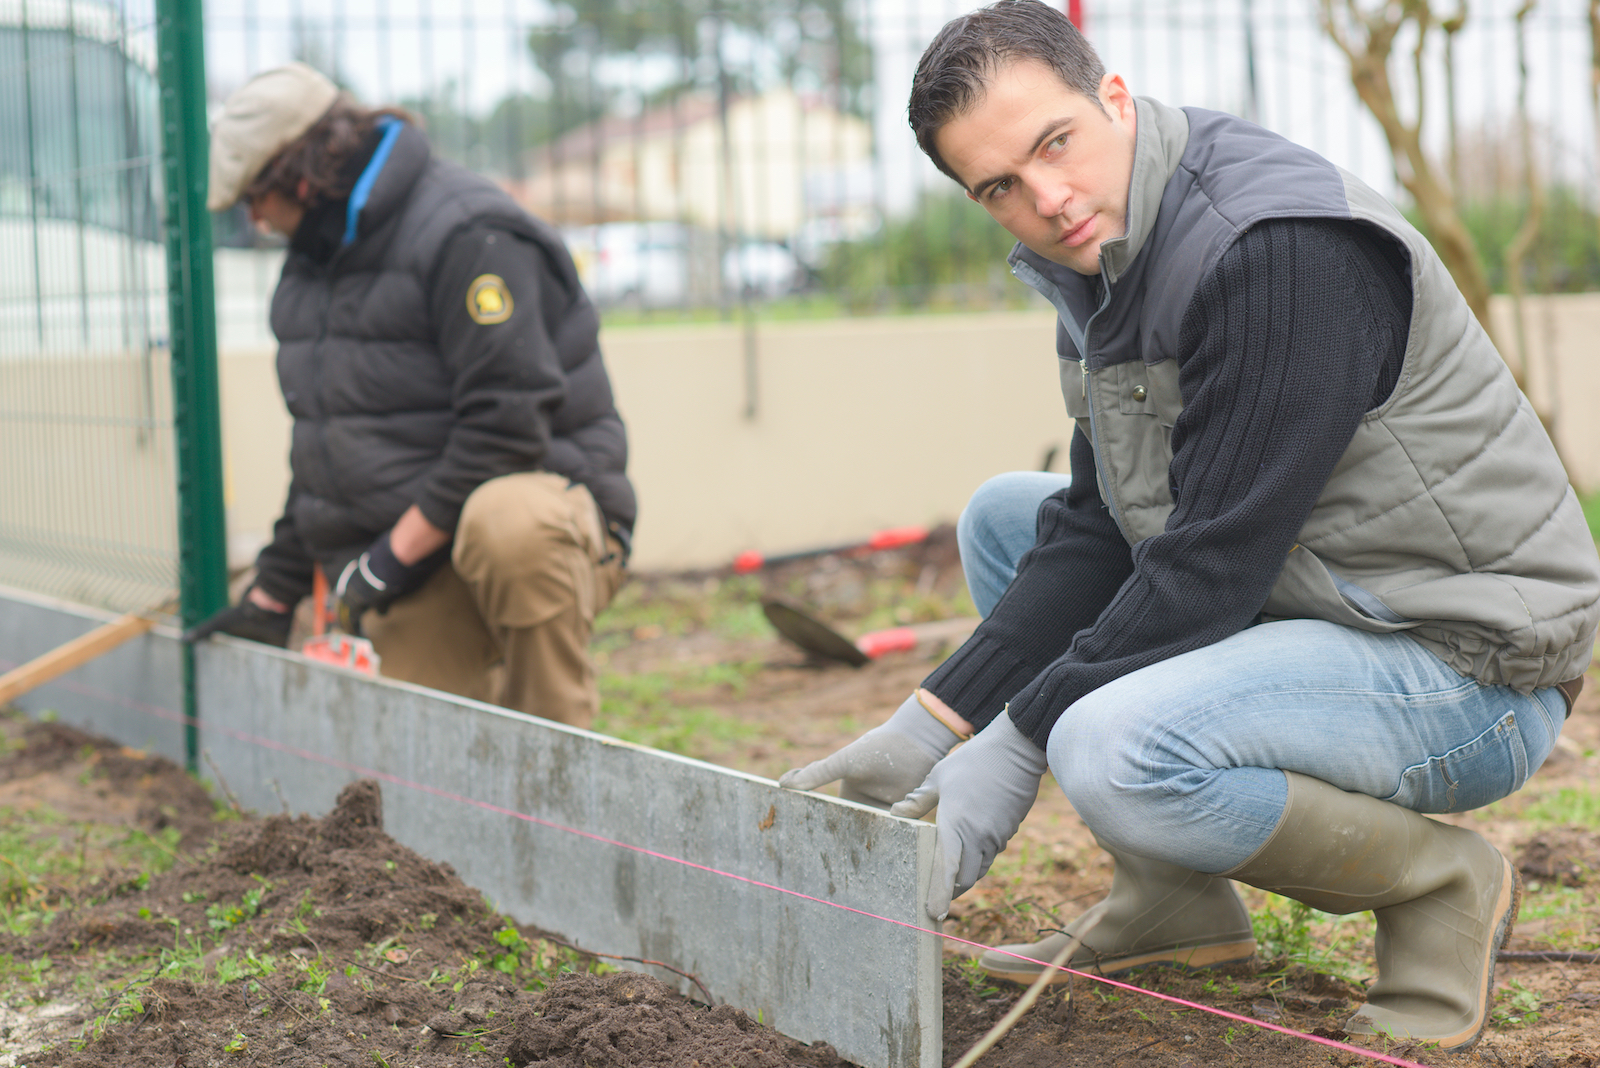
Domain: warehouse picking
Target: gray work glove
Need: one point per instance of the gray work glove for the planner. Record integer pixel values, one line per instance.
(884, 764)
(982, 791)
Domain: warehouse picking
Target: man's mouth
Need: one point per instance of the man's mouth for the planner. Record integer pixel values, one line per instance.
(1079, 233)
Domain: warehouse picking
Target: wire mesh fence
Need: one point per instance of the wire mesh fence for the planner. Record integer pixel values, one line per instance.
(700, 153)
(87, 500)
(703, 158)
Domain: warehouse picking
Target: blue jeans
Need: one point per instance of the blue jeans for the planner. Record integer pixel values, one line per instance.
(1182, 761)
(997, 527)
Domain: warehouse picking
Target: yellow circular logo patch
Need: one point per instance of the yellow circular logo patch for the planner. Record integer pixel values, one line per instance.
(488, 300)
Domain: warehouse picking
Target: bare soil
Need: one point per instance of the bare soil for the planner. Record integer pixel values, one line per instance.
(367, 954)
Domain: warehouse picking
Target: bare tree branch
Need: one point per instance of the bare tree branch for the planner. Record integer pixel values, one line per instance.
(1367, 39)
(1516, 251)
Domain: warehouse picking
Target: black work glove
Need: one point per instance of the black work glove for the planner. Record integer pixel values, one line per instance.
(376, 579)
(245, 620)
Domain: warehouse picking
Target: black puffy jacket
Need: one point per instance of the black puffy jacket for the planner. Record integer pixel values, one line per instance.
(437, 338)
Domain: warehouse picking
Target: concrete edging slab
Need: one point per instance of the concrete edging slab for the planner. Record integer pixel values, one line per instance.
(804, 911)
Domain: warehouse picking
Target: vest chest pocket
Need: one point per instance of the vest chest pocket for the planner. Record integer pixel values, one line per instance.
(1134, 396)
(1149, 389)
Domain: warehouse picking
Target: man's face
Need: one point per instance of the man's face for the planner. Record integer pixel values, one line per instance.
(1047, 162)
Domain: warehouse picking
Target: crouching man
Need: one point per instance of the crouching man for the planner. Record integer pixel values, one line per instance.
(1317, 569)
(457, 462)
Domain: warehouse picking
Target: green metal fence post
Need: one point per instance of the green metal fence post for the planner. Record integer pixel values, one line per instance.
(202, 537)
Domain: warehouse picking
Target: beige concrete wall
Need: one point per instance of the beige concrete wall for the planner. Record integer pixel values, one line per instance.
(88, 500)
(1562, 372)
(255, 448)
(861, 423)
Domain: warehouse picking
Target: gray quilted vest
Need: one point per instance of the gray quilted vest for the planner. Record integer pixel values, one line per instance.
(1449, 516)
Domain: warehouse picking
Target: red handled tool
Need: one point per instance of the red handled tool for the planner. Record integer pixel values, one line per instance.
(345, 650)
(891, 538)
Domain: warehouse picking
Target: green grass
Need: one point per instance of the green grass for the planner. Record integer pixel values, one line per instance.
(666, 704)
(664, 708)
(676, 607)
(646, 709)
(1591, 512)
(49, 862)
(1562, 913)
(978, 981)
(1297, 934)
(1567, 806)
(1516, 1006)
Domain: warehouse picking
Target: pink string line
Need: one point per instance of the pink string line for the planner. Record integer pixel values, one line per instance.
(306, 754)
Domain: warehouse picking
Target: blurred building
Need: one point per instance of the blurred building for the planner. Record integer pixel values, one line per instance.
(797, 165)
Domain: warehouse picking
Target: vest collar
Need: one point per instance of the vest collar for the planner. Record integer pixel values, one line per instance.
(398, 162)
(1158, 145)
(391, 128)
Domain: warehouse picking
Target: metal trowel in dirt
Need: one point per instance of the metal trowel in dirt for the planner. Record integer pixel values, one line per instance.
(822, 641)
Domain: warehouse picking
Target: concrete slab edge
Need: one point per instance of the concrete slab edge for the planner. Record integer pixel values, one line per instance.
(802, 910)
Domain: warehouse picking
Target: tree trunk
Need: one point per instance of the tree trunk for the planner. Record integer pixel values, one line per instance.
(1368, 52)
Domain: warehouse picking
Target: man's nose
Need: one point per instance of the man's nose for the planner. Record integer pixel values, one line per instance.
(1051, 198)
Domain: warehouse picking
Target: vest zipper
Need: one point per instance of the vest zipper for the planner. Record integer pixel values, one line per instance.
(1029, 275)
(1107, 489)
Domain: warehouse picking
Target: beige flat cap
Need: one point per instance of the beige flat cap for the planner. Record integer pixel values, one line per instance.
(261, 118)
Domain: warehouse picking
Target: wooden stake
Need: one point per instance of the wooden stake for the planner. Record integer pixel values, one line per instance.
(63, 658)
(1025, 1002)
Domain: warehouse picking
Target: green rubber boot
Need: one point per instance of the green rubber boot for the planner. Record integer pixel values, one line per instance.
(1159, 914)
(1444, 898)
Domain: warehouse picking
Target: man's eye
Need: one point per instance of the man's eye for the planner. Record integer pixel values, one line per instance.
(1000, 187)
(1059, 142)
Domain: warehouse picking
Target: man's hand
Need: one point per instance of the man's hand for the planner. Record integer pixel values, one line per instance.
(247, 619)
(376, 579)
(883, 765)
(982, 791)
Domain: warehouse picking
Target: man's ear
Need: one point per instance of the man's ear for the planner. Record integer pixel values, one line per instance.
(1115, 97)
(303, 190)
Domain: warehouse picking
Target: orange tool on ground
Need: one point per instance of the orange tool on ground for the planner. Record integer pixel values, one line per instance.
(891, 538)
(344, 650)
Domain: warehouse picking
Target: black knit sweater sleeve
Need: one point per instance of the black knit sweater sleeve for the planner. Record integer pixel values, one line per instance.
(1296, 334)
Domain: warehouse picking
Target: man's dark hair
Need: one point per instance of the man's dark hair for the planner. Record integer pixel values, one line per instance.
(320, 157)
(956, 68)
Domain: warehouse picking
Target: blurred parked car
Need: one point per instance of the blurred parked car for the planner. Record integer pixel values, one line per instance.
(665, 264)
(762, 269)
(639, 264)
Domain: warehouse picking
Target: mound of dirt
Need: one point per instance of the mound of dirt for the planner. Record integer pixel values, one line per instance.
(337, 945)
(632, 1019)
(85, 776)
(1564, 855)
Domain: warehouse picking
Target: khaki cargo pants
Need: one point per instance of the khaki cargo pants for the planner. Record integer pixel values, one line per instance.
(508, 621)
